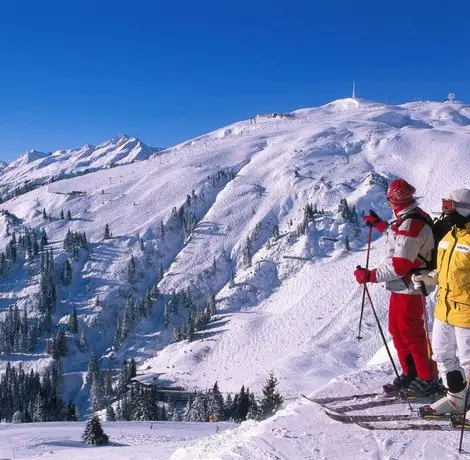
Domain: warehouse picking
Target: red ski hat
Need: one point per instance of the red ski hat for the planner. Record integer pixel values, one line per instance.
(400, 193)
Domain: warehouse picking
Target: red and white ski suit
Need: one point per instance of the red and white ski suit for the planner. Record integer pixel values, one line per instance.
(407, 238)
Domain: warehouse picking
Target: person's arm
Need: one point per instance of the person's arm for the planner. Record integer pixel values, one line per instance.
(405, 257)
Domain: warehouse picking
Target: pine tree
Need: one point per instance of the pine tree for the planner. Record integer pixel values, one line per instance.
(69, 215)
(48, 295)
(93, 369)
(62, 214)
(248, 252)
(215, 403)
(132, 369)
(71, 412)
(254, 411)
(40, 409)
(275, 233)
(43, 240)
(107, 233)
(97, 393)
(73, 322)
(131, 270)
(3, 264)
(241, 403)
(17, 417)
(110, 415)
(44, 213)
(66, 273)
(123, 379)
(94, 433)
(272, 399)
(198, 409)
(82, 342)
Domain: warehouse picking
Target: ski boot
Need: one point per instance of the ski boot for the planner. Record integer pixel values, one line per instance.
(399, 384)
(451, 403)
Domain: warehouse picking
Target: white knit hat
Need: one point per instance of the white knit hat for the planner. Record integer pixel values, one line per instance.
(462, 195)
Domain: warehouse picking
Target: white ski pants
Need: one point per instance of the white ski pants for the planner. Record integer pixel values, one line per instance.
(451, 348)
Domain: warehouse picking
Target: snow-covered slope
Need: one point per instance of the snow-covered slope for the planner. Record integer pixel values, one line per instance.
(38, 167)
(291, 305)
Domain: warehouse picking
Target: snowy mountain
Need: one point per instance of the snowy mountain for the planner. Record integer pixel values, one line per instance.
(253, 214)
(33, 167)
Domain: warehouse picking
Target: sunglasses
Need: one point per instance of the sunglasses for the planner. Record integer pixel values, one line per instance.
(450, 205)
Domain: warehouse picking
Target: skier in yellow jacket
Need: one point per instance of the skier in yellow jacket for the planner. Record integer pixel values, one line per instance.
(451, 330)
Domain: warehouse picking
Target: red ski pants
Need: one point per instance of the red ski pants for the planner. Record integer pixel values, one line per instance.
(406, 324)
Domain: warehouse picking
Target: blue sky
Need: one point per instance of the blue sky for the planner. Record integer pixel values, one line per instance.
(167, 70)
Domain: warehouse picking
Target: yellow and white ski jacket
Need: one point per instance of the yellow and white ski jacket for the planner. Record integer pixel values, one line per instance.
(453, 265)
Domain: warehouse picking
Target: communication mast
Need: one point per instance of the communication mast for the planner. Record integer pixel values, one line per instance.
(354, 90)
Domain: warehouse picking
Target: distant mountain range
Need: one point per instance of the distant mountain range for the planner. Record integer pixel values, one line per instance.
(34, 168)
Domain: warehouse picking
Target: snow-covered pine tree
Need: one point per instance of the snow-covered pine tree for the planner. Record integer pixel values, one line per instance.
(97, 395)
(94, 433)
(272, 399)
(215, 403)
(93, 369)
(198, 409)
(82, 342)
(254, 411)
(228, 407)
(275, 233)
(123, 379)
(241, 403)
(17, 417)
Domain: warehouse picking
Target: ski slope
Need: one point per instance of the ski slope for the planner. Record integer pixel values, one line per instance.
(295, 310)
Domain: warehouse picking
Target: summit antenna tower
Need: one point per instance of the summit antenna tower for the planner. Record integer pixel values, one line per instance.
(354, 90)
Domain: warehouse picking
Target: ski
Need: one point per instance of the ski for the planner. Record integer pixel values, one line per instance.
(345, 418)
(364, 405)
(384, 396)
(333, 399)
(410, 426)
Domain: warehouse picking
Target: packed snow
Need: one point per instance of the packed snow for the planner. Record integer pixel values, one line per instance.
(294, 310)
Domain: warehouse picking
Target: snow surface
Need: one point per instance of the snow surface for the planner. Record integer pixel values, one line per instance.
(127, 440)
(295, 311)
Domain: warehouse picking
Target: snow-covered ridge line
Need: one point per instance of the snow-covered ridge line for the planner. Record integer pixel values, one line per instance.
(32, 168)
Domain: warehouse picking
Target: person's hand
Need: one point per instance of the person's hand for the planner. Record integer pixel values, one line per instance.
(373, 220)
(365, 276)
(429, 279)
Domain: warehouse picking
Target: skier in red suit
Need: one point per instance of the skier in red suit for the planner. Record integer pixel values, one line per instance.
(410, 245)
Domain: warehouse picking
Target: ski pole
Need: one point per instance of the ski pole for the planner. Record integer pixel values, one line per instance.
(359, 337)
(402, 391)
(464, 413)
